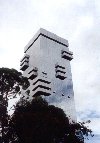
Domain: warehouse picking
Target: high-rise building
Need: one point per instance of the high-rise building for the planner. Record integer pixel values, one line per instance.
(46, 63)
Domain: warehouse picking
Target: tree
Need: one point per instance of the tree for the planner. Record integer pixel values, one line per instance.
(11, 83)
(34, 121)
(38, 122)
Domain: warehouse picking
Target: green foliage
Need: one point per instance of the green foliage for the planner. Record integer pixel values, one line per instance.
(38, 122)
(11, 83)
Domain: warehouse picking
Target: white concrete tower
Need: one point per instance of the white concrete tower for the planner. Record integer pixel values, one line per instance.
(46, 63)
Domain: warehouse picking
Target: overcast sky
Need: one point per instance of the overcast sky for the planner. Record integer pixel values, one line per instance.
(78, 21)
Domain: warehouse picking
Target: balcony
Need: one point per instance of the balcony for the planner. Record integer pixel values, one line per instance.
(41, 81)
(41, 87)
(33, 73)
(25, 57)
(24, 63)
(24, 66)
(67, 55)
(60, 75)
(59, 66)
(60, 71)
(41, 91)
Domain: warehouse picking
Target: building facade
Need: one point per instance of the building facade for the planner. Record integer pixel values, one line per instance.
(46, 63)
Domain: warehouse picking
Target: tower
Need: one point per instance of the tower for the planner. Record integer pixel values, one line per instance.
(46, 63)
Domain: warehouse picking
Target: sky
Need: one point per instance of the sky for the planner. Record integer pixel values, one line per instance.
(77, 21)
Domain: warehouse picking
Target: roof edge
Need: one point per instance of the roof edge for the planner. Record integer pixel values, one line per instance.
(48, 35)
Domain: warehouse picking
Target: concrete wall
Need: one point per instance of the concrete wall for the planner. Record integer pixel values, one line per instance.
(49, 71)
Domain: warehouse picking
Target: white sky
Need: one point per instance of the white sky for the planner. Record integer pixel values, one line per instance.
(75, 20)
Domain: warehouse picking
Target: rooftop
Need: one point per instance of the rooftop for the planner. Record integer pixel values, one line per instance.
(48, 35)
